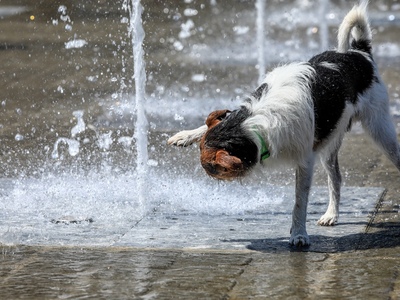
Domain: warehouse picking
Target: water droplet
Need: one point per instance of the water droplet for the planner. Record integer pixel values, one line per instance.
(178, 46)
(152, 163)
(239, 30)
(80, 126)
(190, 12)
(62, 9)
(73, 147)
(19, 137)
(198, 77)
(79, 43)
(178, 117)
(105, 140)
(185, 29)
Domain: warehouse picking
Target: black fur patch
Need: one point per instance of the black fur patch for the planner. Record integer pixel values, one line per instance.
(331, 88)
(362, 45)
(257, 93)
(230, 136)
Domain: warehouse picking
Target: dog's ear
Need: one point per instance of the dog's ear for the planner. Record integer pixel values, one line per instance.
(227, 161)
(216, 116)
(259, 91)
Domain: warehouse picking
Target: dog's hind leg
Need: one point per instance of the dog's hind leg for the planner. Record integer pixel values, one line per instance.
(331, 165)
(298, 233)
(377, 122)
(384, 134)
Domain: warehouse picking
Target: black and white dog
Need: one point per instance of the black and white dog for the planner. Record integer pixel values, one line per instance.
(302, 110)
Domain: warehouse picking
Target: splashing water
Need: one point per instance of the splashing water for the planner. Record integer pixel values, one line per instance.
(80, 125)
(73, 147)
(73, 144)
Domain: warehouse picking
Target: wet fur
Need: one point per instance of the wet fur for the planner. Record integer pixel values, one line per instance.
(302, 110)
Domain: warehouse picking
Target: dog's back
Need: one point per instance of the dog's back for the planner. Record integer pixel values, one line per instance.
(343, 76)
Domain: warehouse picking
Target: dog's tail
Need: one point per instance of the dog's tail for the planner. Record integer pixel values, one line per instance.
(356, 24)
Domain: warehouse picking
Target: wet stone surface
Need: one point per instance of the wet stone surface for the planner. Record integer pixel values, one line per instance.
(70, 225)
(259, 230)
(128, 273)
(117, 222)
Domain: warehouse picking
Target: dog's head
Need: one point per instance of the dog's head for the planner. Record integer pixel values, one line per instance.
(227, 151)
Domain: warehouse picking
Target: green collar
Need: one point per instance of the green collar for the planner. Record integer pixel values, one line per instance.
(264, 149)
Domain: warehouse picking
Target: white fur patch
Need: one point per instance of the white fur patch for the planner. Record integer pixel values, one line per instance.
(284, 115)
(329, 65)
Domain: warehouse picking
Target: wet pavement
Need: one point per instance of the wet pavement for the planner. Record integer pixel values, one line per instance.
(173, 224)
(127, 273)
(70, 223)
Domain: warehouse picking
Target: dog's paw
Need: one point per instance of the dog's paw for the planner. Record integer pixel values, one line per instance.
(181, 139)
(299, 240)
(328, 219)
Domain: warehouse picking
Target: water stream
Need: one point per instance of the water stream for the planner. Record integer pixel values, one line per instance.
(260, 6)
(141, 125)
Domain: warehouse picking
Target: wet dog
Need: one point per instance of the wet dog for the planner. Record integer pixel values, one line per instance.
(301, 111)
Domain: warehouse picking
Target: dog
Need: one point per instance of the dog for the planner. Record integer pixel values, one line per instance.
(302, 110)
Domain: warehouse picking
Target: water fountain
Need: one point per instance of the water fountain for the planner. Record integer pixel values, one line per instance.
(168, 189)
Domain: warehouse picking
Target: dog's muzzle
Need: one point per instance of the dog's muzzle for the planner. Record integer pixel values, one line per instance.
(222, 173)
(220, 164)
(211, 169)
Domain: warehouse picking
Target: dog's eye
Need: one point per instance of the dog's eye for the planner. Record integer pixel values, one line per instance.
(220, 169)
(223, 116)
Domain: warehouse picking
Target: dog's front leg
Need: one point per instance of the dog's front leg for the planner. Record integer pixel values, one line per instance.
(298, 232)
(187, 137)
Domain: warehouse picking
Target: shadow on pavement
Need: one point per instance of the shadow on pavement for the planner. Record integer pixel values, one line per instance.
(387, 237)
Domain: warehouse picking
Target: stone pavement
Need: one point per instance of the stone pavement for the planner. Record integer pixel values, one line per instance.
(231, 256)
(131, 273)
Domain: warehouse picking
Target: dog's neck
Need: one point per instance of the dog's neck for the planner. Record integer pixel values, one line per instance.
(264, 149)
